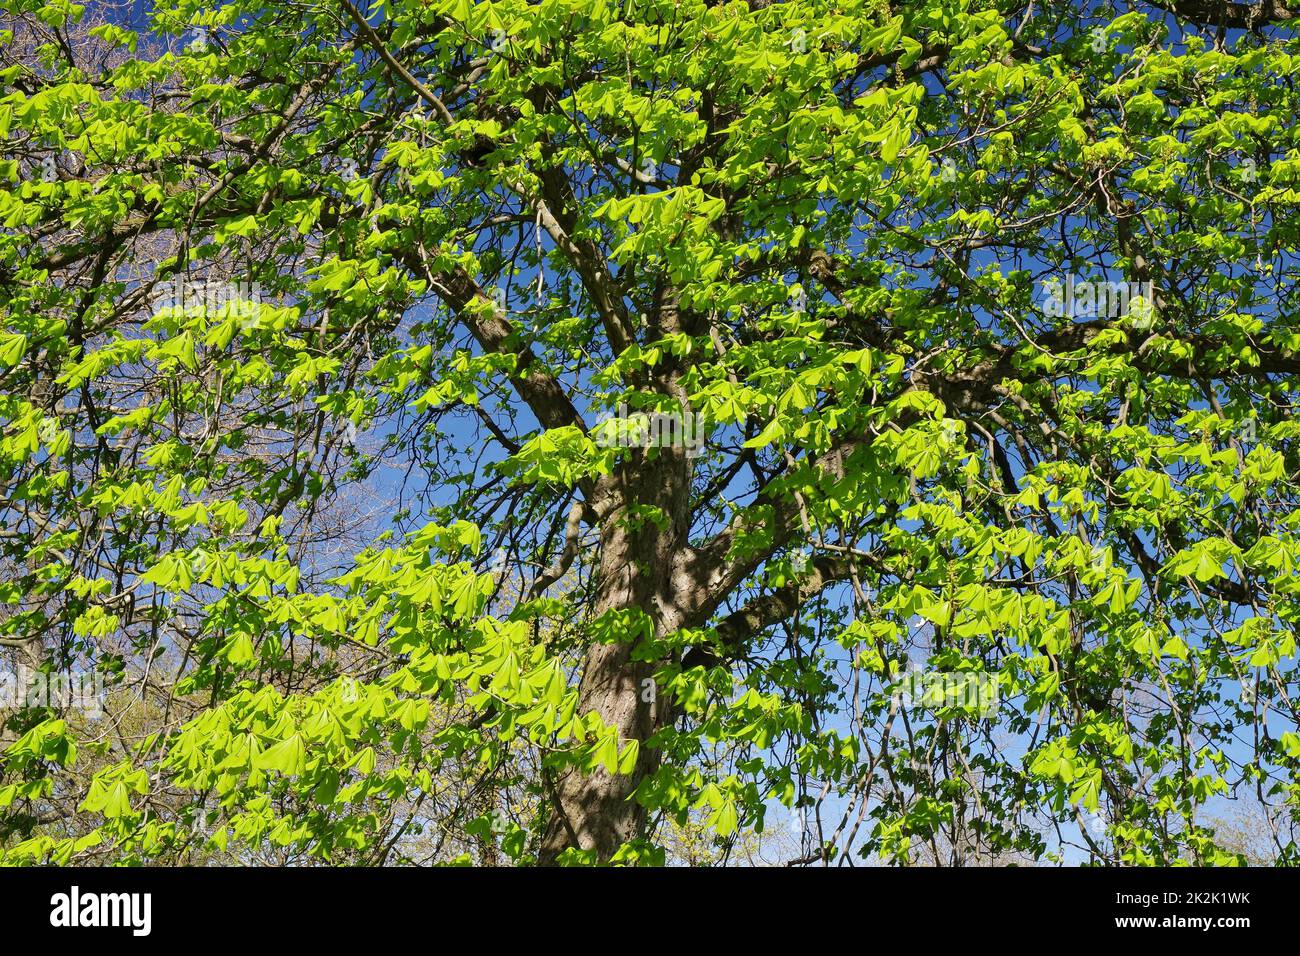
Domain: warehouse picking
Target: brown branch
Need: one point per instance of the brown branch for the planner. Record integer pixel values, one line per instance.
(1237, 16)
(376, 42)
(737, 629)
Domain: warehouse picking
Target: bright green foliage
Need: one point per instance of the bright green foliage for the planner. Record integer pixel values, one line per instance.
(346, 527)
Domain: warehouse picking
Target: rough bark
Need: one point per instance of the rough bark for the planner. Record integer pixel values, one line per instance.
(638, 560)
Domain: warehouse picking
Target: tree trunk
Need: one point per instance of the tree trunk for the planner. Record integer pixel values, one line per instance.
(595, 811)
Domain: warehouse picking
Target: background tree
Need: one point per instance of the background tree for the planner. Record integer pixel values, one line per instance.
(337, 346)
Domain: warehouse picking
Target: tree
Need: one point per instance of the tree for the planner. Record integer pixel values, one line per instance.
(522, 430)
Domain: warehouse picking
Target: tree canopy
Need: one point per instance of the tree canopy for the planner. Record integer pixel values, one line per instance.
(582, 431)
